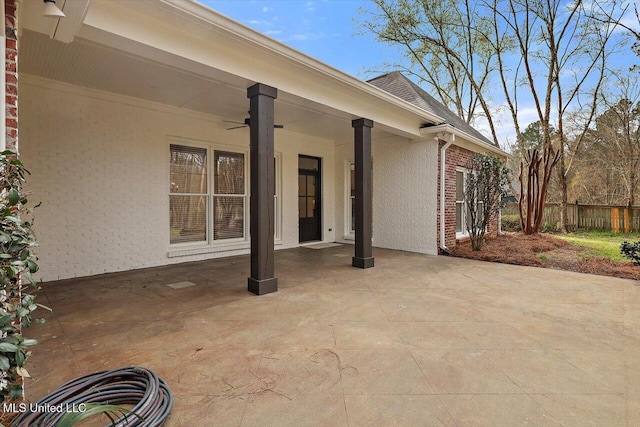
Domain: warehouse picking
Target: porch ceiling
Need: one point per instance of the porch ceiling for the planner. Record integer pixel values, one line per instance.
(89, 64)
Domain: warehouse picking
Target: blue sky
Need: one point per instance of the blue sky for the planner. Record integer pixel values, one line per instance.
(323, 29)
(328, 30)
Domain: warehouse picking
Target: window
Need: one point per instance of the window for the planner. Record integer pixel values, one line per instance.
(352, 197)
(208, 195)
(188, 196)
(277, 160)
(196, 195)
(463, 213)
(229, 195)
(461, 223)
(350, 193)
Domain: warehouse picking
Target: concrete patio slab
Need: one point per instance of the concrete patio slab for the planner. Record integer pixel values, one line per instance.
(416, 341)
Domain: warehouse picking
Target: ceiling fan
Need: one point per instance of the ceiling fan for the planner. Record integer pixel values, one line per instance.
(246, 124)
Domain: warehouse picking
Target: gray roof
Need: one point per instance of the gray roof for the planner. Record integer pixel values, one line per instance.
(398, 85)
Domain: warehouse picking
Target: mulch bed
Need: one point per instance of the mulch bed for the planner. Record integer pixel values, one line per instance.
(543, 250)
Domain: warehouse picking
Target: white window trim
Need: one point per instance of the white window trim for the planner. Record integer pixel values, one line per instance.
(245, 197)
(278, 199)
(209, 244)
(195, 144)
(348, 234)
(464, 233)
(463, 219)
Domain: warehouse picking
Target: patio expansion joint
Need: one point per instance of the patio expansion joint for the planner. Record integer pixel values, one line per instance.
(424, 375)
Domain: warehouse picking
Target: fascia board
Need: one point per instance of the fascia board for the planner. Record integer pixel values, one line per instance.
(462, 139)
(235, 28)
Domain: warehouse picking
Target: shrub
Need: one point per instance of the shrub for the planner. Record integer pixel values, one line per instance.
(17, 262)
(631, 251)
(484, 189)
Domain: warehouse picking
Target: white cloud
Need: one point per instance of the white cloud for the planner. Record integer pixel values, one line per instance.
(307, 36)
(266, 9)
(310, 6)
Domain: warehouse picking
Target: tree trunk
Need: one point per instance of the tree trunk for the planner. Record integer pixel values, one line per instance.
(564, 211)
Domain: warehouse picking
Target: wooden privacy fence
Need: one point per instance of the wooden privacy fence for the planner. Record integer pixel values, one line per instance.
(590, 217)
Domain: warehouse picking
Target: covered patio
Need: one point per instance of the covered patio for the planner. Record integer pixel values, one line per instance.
(418, 340)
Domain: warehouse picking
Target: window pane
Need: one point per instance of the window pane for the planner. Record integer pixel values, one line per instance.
(228, 217)
(459, 186)
(187, 219)
(353, 179)
(229, 172)
(311, 207)
(311, 186)
(302, 180)
(353, 215)
(459, 217)
(188, 169)
(309, 163)
(275, 172)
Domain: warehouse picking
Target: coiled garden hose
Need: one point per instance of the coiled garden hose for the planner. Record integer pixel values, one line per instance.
(131, 385)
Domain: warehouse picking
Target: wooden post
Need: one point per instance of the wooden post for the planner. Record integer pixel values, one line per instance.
(262, 280)
(627, 219)
(363, 198)
(615, 223)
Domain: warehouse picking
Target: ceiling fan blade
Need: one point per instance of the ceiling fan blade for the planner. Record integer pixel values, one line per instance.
(278, 126)
(237, 127)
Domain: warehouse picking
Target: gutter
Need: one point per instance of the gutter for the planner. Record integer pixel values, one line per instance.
(430, 130)
(443, 167)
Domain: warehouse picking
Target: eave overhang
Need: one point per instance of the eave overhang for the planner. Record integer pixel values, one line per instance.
(462, 139)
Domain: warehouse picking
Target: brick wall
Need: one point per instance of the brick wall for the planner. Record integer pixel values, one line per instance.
(455, 157)
(103, 160)
(11, 73)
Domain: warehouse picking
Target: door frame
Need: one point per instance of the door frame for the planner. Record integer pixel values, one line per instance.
(318, 195)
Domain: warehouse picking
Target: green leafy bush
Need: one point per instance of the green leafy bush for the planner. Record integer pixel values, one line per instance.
(631, 251)
(17, 263)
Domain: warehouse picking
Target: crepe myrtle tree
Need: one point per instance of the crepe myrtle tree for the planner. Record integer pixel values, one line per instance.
(485, 186)
(17, 263)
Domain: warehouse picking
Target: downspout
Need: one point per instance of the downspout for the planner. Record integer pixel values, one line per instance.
(443, 167)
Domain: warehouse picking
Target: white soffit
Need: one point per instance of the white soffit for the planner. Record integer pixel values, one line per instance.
(188, 30)
(180, 53)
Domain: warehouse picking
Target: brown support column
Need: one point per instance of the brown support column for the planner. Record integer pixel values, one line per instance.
(262, 280)
(363, 198)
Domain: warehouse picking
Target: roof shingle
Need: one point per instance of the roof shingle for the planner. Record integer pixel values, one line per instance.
(398, 85)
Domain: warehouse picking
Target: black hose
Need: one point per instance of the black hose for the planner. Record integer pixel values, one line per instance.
(131, 385)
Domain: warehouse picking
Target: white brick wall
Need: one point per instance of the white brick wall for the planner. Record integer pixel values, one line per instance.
(99, 166)
(405, 176)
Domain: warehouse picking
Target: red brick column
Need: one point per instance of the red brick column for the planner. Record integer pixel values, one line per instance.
(455, 157)
(11, 74)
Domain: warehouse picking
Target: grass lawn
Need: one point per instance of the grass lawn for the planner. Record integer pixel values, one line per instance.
(600, 243)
